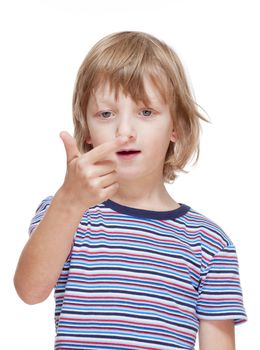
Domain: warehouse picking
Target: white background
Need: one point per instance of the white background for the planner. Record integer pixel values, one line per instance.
(42, 45)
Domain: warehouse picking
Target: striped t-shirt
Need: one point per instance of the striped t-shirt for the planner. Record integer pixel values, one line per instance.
(142, 279)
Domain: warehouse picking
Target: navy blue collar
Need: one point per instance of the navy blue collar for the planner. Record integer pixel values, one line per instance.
(143, 213)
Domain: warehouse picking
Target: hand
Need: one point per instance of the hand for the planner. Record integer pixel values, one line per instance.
(91, 178)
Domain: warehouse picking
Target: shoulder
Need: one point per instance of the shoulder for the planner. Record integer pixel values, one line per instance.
(45, 203)
(39, 213)
(211, 235)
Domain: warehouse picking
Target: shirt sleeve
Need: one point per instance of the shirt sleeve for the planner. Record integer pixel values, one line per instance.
(220, 293)
(39, 214)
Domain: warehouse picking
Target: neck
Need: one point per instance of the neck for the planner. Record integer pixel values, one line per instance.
(145, 195)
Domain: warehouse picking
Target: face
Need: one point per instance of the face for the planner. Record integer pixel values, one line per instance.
(149, 129)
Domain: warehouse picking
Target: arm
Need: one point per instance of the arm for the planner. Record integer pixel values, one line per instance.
(90, 179)
(217, 335)
(45, 252)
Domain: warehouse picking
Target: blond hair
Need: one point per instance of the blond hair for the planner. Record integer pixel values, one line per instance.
(123, 59)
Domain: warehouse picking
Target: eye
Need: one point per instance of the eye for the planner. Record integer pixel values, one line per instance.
(105, 114)
(147, 112)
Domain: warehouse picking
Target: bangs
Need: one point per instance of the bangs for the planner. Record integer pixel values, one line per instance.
(132, 84)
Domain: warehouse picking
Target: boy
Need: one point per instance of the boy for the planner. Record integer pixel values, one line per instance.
(131, 267)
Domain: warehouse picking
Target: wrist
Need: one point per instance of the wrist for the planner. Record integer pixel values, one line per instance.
(68, 203)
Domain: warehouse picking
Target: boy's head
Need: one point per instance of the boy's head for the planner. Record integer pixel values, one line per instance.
(123, 60)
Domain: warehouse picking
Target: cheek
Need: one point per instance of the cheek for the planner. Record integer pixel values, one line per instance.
(158, 134)
(100, 136)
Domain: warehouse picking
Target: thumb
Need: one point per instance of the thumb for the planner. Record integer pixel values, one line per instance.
(70, 146)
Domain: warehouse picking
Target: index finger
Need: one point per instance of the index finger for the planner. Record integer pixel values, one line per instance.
(100, 152)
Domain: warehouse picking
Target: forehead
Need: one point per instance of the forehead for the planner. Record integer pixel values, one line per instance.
(149, 93)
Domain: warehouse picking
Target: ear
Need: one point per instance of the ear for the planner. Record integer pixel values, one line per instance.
(173, 136)
(88, 140)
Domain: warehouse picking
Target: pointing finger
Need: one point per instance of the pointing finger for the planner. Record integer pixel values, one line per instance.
(100, 152)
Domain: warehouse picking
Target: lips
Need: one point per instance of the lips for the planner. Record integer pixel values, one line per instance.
(126, 152)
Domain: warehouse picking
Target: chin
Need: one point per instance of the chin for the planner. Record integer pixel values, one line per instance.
(129, 175)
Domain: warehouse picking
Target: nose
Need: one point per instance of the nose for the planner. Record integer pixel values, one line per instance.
(126, 128)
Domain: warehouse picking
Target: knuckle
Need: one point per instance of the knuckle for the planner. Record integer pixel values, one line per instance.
(93, 184)
(88, 173)
(80, 164)
(84, 169)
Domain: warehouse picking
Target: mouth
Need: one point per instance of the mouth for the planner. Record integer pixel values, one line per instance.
(127, 154)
